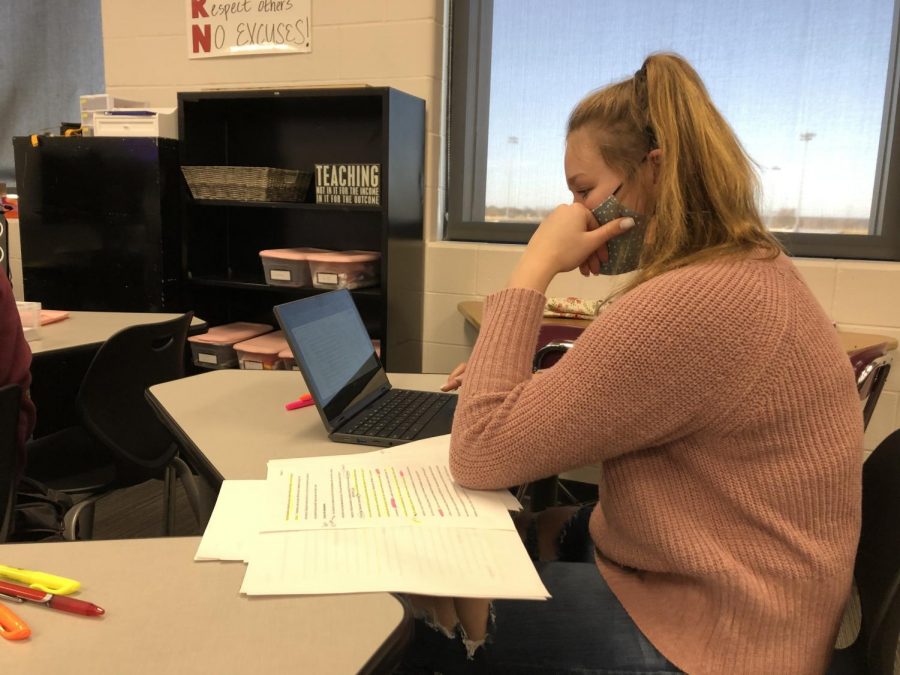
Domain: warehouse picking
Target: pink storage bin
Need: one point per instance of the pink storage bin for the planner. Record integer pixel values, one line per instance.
(287, 266)
(344, 269)
(215, 348)
(261, 353)
(287, 359)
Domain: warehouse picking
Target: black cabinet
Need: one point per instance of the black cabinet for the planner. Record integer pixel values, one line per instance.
(298, 129)
(100, 223)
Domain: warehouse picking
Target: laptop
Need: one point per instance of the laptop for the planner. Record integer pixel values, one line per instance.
(355, 400)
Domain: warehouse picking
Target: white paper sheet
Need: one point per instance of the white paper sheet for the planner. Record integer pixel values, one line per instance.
(472, 550)
(405, 485)
(234, 522)
(458, 562)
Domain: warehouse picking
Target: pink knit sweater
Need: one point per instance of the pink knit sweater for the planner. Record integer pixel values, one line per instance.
(725, 413)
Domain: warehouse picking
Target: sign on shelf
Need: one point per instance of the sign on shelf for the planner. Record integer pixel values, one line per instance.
(358, 184)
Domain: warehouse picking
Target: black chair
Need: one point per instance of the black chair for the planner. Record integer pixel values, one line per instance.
(877, 570)
(120, 441)
(553, 341)
(872, 366)
(10, 396)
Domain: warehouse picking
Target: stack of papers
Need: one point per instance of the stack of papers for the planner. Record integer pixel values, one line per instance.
(391, 520)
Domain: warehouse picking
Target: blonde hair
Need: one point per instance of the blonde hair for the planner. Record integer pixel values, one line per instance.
(706, 205)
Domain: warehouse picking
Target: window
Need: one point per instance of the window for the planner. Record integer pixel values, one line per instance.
(809, 87)
(51, 53)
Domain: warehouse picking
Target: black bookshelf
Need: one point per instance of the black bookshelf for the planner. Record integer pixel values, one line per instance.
(297, 129)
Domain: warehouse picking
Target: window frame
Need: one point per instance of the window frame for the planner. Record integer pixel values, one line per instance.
(471, 23)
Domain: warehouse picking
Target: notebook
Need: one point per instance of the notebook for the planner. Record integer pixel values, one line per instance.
(351, 391)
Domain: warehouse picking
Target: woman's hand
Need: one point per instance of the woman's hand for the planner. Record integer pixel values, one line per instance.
(567, 238)
(455, 378)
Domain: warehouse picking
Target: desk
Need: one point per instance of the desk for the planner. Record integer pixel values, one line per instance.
(168, 614)
(91, 329)
(852, 342)
(231, 421)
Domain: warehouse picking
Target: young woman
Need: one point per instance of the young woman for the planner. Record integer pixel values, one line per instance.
(714, 391)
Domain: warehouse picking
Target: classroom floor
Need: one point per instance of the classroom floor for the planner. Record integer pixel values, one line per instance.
(137, 512)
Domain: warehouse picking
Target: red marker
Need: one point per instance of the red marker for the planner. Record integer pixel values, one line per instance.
(303, 402)
(59, 602)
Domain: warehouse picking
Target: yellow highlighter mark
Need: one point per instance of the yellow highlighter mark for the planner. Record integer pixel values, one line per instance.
(404, 475)
(290, 500)
(384, 500)
(368, 501)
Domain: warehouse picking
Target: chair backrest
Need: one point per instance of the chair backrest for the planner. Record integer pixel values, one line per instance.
(862, 357)
(10, 397)
(871, 364)
(877, 569)
(550, 353)
(870, 383)
(112, 398)
(553, 341)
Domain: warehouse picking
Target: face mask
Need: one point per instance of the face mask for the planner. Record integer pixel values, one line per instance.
(624, 249)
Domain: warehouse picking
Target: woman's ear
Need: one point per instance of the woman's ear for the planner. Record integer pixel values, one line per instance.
(655, 159)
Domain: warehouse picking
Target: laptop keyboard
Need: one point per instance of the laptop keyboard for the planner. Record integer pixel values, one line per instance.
(399, 414)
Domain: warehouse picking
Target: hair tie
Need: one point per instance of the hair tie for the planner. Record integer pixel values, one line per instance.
(641, 74)
(640, 78)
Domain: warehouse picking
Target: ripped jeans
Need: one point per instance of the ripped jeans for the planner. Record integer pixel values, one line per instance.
(582, 628)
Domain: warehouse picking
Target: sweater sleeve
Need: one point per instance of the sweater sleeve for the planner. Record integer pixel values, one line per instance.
(662, 363)
(15, 362)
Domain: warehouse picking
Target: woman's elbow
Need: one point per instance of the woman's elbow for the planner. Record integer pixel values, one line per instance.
(472, 469)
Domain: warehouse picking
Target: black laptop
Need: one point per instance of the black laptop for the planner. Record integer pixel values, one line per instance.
(351, 390)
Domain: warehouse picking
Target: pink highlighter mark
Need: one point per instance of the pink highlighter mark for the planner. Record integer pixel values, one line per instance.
(441, 511)
(393, 503)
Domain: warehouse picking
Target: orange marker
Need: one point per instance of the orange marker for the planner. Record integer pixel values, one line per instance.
(11, 626)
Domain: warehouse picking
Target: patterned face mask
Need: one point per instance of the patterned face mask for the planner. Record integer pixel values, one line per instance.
(625, 249)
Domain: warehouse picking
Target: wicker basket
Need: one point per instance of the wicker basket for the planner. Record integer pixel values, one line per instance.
(247, 183)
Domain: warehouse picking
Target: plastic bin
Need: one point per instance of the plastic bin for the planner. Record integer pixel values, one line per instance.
(262, 352)
(286, 356)
(288, 266)
(30, 314)
(215, 348)
(344, 269)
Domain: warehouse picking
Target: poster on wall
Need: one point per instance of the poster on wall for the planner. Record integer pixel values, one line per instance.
(217, 28)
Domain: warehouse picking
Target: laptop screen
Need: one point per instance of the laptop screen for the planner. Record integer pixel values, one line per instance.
(334, 353)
